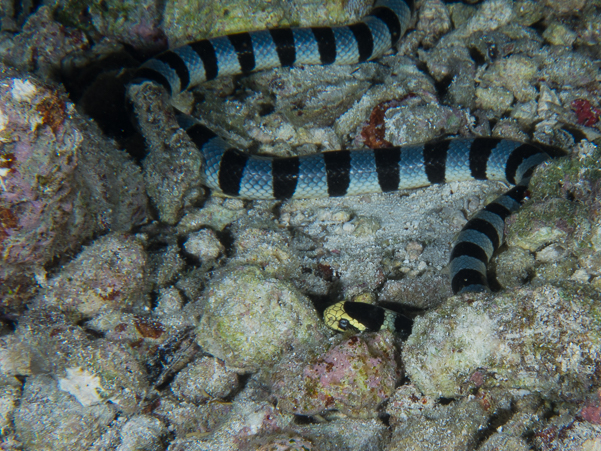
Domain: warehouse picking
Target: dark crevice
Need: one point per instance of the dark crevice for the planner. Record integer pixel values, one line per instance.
(160, 6)
(539, 26)
(442, 86)
(335, 291)
(157, 246)
(304, 420)
(22, 9)
(384, 418)
(17, 7)
(98, 89)
(165, 381)
(226, 238)
(404, 381)
(491, 274)
(92, 334)
(243, 380)
(159, 367)
(185, 298)
(153, 211)
(531, 273)
(240, 91)
(507, 114)
(492, 51)
(576, 133)
(403, 309)
(276, 211)
(198, 97)
(529, 439)
(9, 322)
(153, 299)
(477, 56)
(253, 148)
(422, 67)
(266, 109)
(497, 420)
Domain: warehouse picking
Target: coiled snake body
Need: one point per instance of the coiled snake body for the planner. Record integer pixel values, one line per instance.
(338, 173)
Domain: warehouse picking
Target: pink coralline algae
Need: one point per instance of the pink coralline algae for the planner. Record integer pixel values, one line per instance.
(587, 114)
(60, 183)
(591, 412)
(354, 376)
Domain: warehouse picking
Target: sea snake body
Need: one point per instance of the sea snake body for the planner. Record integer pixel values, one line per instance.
(338, 173)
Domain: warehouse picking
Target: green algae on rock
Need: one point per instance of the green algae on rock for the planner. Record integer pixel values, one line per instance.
(559, 226)
(185, 21)
(554, 220)
(545, 340)
(251, 319)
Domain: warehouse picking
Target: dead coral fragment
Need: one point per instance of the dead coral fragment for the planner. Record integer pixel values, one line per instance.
(109, 274)
(547, 341)
(203, 380)
(51, 418)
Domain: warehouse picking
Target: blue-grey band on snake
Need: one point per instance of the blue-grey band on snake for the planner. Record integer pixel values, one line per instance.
(338, 173)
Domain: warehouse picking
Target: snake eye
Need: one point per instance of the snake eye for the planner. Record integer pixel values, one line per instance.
(343, 324)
